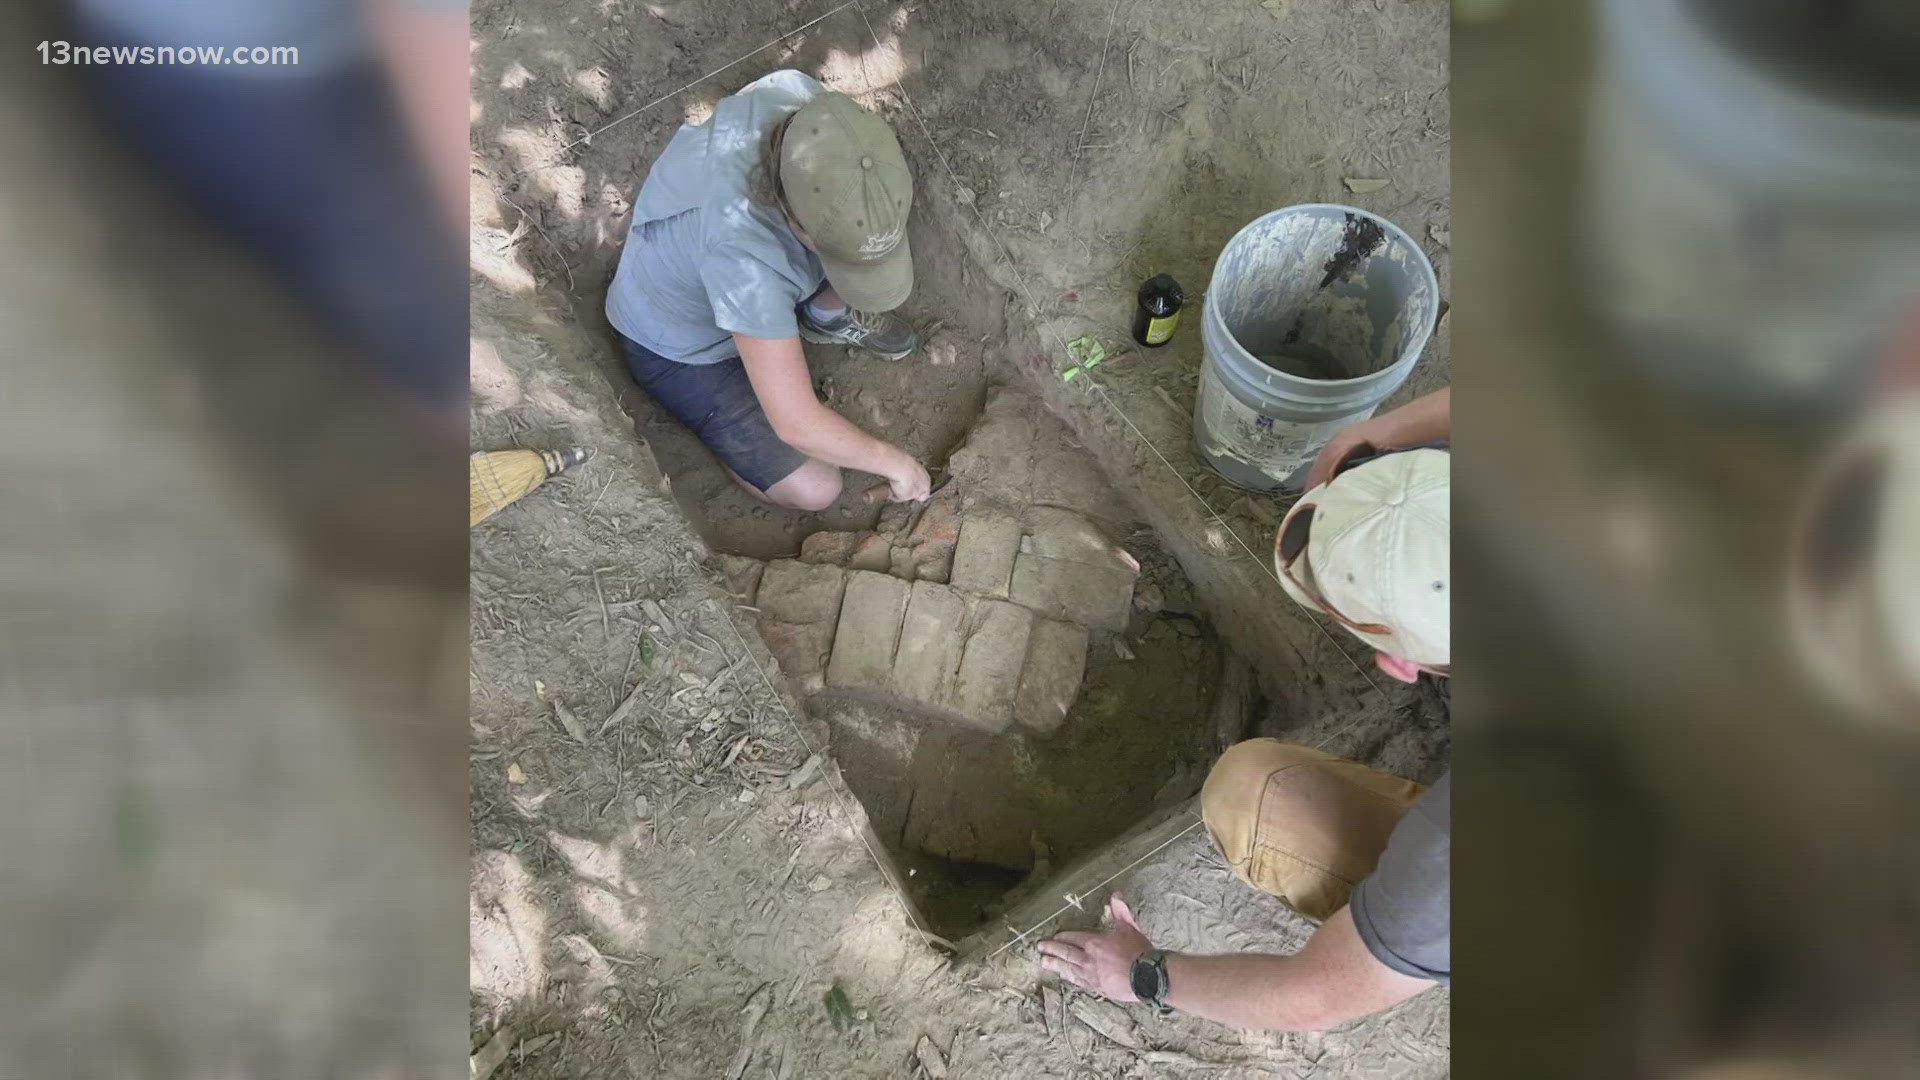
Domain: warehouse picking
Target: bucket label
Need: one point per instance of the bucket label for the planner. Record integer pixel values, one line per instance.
(1273, 445)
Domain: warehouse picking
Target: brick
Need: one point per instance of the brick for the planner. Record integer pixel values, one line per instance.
(802, 650)
(1050, 681)
(874, 552)
(983, 690)
(830, 548)
(1099, 597)
(900, 563)
(1062, 534)
(983, 561)
(933, 540)
(952, 816)
(743, 575)
(930, 639)
(939, 522)
(869, 632)
(797, 592)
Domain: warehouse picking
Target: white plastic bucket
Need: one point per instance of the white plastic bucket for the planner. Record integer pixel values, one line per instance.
(1315, 315)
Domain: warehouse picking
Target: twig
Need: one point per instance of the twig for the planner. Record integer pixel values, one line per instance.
(528, 218)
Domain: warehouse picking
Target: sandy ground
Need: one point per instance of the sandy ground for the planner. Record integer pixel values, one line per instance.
(680, 886)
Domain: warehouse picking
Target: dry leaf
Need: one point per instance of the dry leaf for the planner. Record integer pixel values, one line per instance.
(515, 774)
(930, 1058)
(571, 722)
(1109, 1020)
(1362, 185)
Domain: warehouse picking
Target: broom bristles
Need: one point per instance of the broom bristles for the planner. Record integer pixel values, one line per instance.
(499, 478)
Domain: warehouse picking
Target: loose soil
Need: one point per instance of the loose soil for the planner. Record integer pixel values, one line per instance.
(636, 890)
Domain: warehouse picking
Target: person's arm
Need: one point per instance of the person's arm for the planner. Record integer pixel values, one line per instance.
(778, 370)
(1422, 420)
(425, 48)
(1331, 981)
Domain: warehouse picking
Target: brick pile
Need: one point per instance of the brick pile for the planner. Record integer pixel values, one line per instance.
(980, 618)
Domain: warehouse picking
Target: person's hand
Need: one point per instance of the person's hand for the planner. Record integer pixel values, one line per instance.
(1101, 962)
(1348, 441)
(1422, 420)
(910, 482)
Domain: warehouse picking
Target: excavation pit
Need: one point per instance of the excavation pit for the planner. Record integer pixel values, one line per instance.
(1010, 682)
(1047, 188)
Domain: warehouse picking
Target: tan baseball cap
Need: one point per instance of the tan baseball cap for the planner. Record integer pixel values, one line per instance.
(844, 177)
(1372, 549)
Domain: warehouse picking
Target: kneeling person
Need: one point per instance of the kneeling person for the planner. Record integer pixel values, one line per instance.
(783, 216)
(1365, 852)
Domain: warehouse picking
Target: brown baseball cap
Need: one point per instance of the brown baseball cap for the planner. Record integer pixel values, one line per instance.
(848, 186)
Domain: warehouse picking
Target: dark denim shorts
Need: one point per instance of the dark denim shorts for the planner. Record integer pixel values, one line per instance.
(717, 401)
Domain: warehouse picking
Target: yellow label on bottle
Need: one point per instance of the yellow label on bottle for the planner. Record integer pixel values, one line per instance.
(1159, 330)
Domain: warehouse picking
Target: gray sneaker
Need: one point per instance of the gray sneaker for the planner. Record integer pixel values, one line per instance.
(887, 335)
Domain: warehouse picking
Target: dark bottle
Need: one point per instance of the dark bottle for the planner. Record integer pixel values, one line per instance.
(1158, 311)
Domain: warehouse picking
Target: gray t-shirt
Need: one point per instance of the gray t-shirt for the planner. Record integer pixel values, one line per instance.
(704, 260)
(1404, 910)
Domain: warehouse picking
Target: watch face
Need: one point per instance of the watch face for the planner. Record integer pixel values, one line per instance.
(1146, 979)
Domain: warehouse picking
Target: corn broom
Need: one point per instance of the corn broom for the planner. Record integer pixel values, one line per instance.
(497, 479)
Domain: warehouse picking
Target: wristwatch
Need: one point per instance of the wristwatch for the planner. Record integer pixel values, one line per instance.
(1150, 979)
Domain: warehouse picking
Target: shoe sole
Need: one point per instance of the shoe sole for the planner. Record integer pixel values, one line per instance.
(825, 339)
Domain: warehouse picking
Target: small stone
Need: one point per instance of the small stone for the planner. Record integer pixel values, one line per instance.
(819, 883)
(1149, 598)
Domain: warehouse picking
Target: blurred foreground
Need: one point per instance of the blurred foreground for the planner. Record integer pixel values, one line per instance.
(232, 616)
(1689, 700)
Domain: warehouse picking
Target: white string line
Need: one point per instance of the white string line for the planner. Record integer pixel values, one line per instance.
(833, 782)
(1020, 280)
(597, 132)
(1030, 931)
(1080, 141)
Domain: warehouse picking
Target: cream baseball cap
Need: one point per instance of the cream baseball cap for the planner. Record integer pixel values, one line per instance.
(844, 177)
(1853, 581)
(1372, 549)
